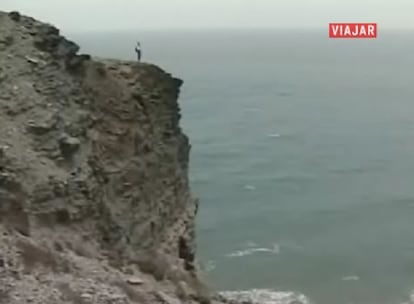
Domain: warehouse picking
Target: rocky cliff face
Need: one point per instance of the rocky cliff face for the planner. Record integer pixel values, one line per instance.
(95, 205)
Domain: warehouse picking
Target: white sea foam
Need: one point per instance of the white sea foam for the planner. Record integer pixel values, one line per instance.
(351, 278)
(249, 187)
(274, 135)
(275, 249)
(210, 266)
(269, 296)
(411, 299)
(265, 296)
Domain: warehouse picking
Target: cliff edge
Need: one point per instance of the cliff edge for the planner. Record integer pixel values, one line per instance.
(95, 204)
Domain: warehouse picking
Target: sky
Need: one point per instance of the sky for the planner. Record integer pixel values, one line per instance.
(103, 15)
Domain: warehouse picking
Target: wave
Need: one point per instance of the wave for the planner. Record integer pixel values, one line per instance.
(270, 296)
(351, 278)
(274, 135)
(275, 249)
(265, 296)
(411, 299)
(211, 265)
(249, 187)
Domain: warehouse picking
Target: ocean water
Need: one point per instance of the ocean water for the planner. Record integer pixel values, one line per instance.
(303, 157)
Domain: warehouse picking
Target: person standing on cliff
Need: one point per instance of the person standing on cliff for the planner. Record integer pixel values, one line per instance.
(138, 50)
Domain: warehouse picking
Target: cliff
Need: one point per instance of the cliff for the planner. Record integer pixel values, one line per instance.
(95, 204)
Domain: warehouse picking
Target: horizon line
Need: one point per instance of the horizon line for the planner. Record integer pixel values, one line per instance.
(192, 29)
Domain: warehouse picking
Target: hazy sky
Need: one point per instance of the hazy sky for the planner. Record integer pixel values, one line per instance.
(78, 15)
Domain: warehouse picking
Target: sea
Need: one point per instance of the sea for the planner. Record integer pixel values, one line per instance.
(302, 157)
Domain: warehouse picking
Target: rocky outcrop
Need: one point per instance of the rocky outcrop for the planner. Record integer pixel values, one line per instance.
(95, 204)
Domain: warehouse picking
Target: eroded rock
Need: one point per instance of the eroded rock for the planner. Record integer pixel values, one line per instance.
(68, 145)
(135, 280)
(15, 16)
(43, 123)
(94, 174)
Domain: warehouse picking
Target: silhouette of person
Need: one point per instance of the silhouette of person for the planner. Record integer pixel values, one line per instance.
(138, 50)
